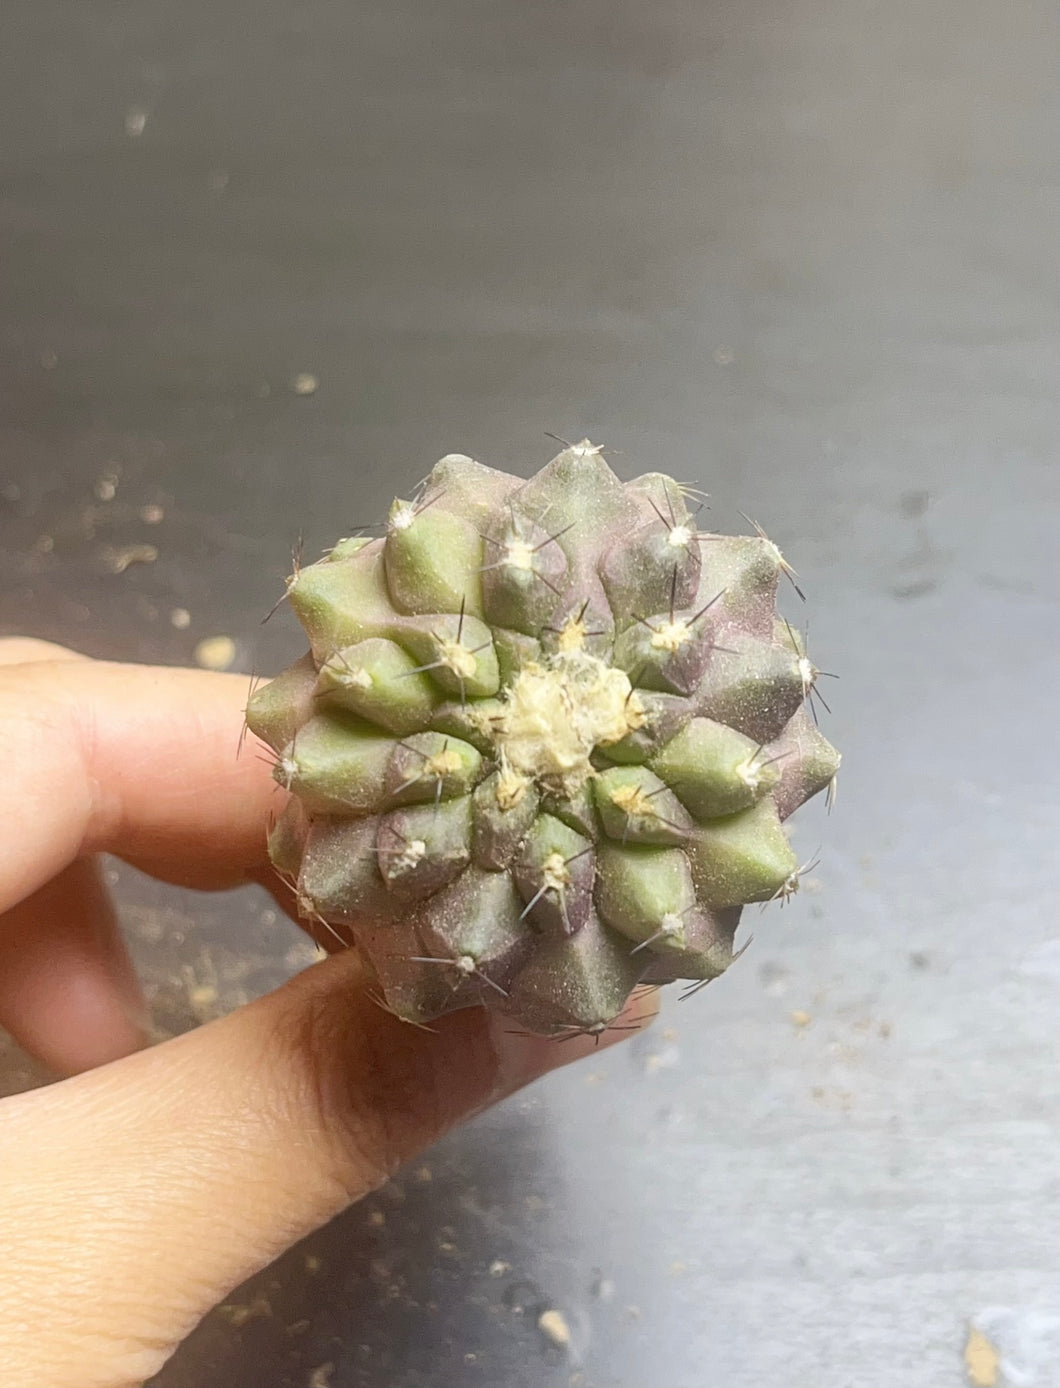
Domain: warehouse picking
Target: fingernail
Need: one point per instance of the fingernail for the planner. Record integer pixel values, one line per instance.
(91, 1023)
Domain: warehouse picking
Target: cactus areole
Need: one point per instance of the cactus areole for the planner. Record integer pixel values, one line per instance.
(543, 744)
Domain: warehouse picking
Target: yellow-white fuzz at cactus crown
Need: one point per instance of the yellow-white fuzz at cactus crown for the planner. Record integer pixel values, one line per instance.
(556, 713)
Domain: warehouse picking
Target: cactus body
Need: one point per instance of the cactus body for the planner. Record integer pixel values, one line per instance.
(543, 744)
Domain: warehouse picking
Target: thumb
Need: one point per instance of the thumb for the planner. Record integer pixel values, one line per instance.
(159, 1182)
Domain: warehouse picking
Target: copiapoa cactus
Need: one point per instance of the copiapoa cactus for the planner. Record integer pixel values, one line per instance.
(544, 742)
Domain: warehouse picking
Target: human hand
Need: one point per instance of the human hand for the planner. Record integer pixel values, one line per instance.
(138, 1192)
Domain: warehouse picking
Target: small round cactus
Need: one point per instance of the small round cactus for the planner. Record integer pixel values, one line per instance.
(543, 743)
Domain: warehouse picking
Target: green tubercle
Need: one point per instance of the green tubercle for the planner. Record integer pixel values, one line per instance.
(337, 764)
(744, 857)
(424, 847)
(645, 894)
(378, 680)
(275, 711)
(340, 601)
(430, 767)
(456, 650)
(636, 806)
(553, 873)
(714, 770)
(433, 560)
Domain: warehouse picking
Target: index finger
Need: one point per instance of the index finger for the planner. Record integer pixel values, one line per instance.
(134, 760)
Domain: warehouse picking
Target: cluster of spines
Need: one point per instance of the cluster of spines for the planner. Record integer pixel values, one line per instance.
(464, 884)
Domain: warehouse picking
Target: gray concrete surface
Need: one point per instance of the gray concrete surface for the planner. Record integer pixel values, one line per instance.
(805, 252)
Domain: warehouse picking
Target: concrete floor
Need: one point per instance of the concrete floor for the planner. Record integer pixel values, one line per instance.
(804, 252)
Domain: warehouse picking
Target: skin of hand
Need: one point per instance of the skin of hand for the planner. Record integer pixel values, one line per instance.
(151, 1180)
